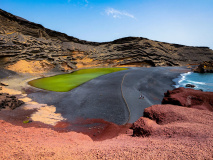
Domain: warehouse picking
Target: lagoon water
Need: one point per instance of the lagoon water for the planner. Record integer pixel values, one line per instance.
(202, 81)
(67, 82)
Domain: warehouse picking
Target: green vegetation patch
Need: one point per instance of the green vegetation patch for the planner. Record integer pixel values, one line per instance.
(66, 82)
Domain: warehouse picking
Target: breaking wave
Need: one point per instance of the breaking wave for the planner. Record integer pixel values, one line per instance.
(202, 81)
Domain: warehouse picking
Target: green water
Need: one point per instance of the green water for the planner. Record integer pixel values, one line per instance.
(66, 82)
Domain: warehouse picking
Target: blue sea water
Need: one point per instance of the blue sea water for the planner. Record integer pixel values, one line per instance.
(202, 81)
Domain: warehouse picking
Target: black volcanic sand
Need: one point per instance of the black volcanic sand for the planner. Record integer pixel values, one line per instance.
(6, 73)
(151, 83)
(101, 98)
(97, 107)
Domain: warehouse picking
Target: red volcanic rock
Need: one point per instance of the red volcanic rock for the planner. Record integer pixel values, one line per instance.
(189, 98)
(143, 127)
(185, 113)
(97, 129)
(174, 121)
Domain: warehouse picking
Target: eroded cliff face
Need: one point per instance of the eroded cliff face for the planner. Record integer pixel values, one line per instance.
(205, 67)
(24, 40)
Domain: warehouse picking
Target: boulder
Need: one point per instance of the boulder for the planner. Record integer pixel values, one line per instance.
(190, 85)
(9, 102)
(184, 113)
(3, 84)
(205, 67)
(174, 121)
(143, 127)
(188, 97)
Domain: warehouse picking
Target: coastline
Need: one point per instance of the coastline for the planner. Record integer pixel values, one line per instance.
(99, 98)
(39, 141)
(179, 79)
(151, 83)
(200, 81)
(134, 114)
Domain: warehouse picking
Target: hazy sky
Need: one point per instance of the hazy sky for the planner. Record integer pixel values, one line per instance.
(188, 22)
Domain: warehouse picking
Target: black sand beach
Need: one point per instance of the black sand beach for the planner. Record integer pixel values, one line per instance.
(6, 73)
(101, 98)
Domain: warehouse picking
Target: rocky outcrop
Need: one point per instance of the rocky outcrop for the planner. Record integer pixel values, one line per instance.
(9, 102)
(183, 113)
(189, 98)
(205, 67)
(190, 86)
(23, 66)
(24, 40)
(174, 121)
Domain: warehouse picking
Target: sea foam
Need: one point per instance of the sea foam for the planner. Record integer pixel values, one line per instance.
(201, 81)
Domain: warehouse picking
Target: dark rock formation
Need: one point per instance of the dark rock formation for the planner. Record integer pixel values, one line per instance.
(174, 121)
(189, 98)
(24, 40)
(205, 67)
(10, 102)
(190, 85)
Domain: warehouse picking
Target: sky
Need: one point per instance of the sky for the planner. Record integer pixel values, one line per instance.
(187, 22)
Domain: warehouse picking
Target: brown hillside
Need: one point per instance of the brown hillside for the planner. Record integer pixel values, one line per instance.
(24, 40)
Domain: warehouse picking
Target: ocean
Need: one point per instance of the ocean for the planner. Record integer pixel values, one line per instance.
(202, 81)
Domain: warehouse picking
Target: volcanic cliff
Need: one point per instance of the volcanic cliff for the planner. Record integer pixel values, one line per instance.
(29, 42)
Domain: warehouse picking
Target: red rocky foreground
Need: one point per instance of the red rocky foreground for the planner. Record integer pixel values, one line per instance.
(189, 114)
(174, 132)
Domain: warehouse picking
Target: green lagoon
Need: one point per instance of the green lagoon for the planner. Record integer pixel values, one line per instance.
(67, 82)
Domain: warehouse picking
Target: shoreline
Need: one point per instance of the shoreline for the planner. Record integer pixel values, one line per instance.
(94, 92)
(199, 81)
(132, 85)
(37, 140)
(151, 83)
